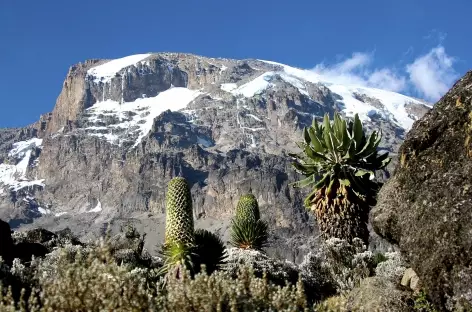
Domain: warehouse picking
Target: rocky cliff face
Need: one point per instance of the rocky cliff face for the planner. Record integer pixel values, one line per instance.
(121, 129)
(426, 208)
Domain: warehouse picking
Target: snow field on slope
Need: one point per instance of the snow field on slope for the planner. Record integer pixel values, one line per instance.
(228, 87)
(107, 71)
(97, 208)
(14, 176)
(20, 148)
(146, 109)
(262, 83)
(392, 101)
(255, 86)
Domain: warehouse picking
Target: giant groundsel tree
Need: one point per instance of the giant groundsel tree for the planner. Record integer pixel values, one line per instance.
(339, 163)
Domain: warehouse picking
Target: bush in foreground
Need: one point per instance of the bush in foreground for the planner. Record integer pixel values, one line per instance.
(75, 278)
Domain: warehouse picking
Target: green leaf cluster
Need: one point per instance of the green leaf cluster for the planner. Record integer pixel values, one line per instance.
(185, 248)
(339, 150)
(248, 231)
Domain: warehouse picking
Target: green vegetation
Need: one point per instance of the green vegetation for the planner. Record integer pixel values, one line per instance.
(179, 213)
(339, 163)
(184, 248)
(210, 251)
(179, 243)
(248, 208)
(95, 278)
(198, 273)
(422, 303)
(89, 279)
(248, 231)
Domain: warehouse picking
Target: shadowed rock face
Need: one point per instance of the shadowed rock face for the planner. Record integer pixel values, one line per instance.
(6, 242)
(426, 208)
(103, 158)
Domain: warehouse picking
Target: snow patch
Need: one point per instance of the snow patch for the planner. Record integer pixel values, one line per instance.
(351, 104)
(97, 208)
(60, 214)
(297, 83)
(107, 71)
(204, 142)
(255, 117)
(138, 116)
(44, 211)
(253, 141)
(252, 129)
(393, 102)
(255, 86)
(20, 148)
(262, 83)
(228, 87)
(14, 176)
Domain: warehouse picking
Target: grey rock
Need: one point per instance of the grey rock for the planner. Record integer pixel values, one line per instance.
(6, 242)
(410, 279)
(26, 251)
(425, 207)
(376, 294)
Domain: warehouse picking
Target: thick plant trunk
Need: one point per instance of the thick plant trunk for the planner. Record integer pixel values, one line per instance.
(341, 214)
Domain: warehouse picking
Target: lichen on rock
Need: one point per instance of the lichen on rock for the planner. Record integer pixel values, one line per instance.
(426, 207)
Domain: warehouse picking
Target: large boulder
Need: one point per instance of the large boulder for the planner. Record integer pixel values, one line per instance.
(6, 242)
(426, 207)
(376, 294)
(26, 251)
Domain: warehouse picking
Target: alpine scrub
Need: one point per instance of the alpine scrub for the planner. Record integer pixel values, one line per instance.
(339, 162)
(248, 231)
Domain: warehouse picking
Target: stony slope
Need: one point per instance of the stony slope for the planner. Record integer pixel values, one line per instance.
(121, 129)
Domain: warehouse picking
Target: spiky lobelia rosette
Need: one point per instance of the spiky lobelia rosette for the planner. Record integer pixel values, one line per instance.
(339, 162)
(210, 251)
(248, 231)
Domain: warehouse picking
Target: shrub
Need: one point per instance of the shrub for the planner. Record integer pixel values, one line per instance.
(422, 303)
(76, 278)
(219, 292)
(392, 268)
(339, 265)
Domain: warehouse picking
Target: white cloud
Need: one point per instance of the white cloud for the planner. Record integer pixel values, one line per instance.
(432, 74)
(429, 75)
(387, 79)
(355, 70)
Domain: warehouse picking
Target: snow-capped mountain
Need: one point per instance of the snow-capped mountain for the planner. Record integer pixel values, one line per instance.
(120, 114)
(122, 128)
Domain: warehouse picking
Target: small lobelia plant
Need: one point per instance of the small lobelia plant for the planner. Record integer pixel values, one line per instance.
(179, 242)
(339, 163)
(184, 248)
(248, 231)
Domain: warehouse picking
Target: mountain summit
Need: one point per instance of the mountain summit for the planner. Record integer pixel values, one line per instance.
(121, 129)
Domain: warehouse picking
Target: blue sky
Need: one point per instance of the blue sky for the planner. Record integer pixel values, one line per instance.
(415, 47)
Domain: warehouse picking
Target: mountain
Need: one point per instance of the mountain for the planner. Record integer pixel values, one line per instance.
(121, 129)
